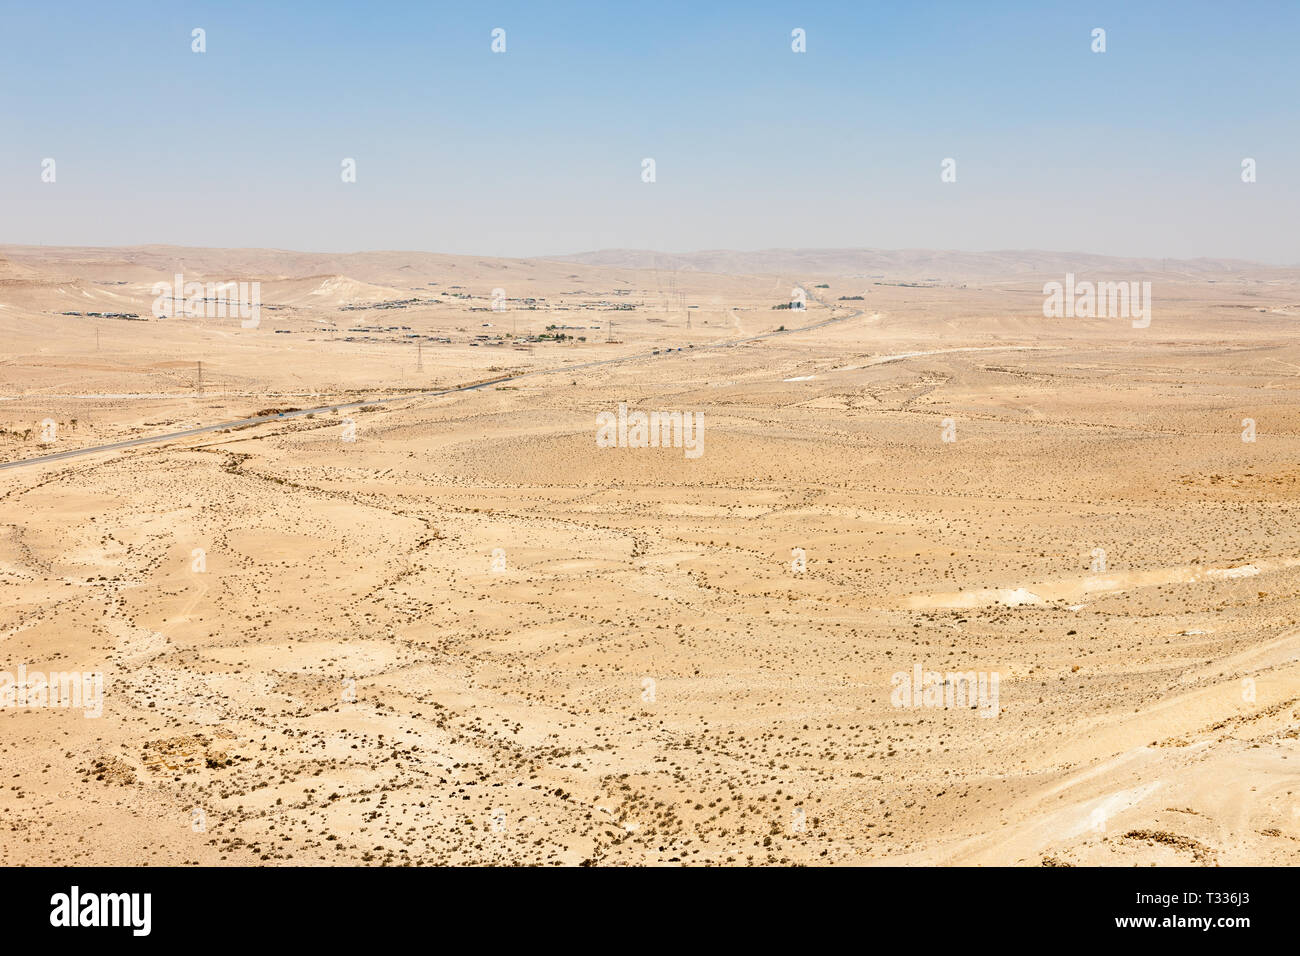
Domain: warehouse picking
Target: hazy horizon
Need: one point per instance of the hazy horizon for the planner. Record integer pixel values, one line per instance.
(537, 151)
(580, 254)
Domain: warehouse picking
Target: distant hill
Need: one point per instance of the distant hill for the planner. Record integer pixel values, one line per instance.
(914, 263)
(390, 272)
(141, 263)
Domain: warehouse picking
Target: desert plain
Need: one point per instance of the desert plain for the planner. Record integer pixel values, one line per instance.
(393, 623)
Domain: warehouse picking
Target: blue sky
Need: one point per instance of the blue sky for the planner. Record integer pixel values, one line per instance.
(1136, 151)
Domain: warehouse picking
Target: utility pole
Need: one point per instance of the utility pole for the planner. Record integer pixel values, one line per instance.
(97, 338)
(419, 355)
(200, 385)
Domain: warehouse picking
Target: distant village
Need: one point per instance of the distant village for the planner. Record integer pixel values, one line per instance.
(107, 315)
(377, 333)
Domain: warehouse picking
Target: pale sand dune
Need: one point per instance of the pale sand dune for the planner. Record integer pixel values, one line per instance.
(642, 677)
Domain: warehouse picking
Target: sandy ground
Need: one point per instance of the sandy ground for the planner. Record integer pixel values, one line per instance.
(471, 635)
